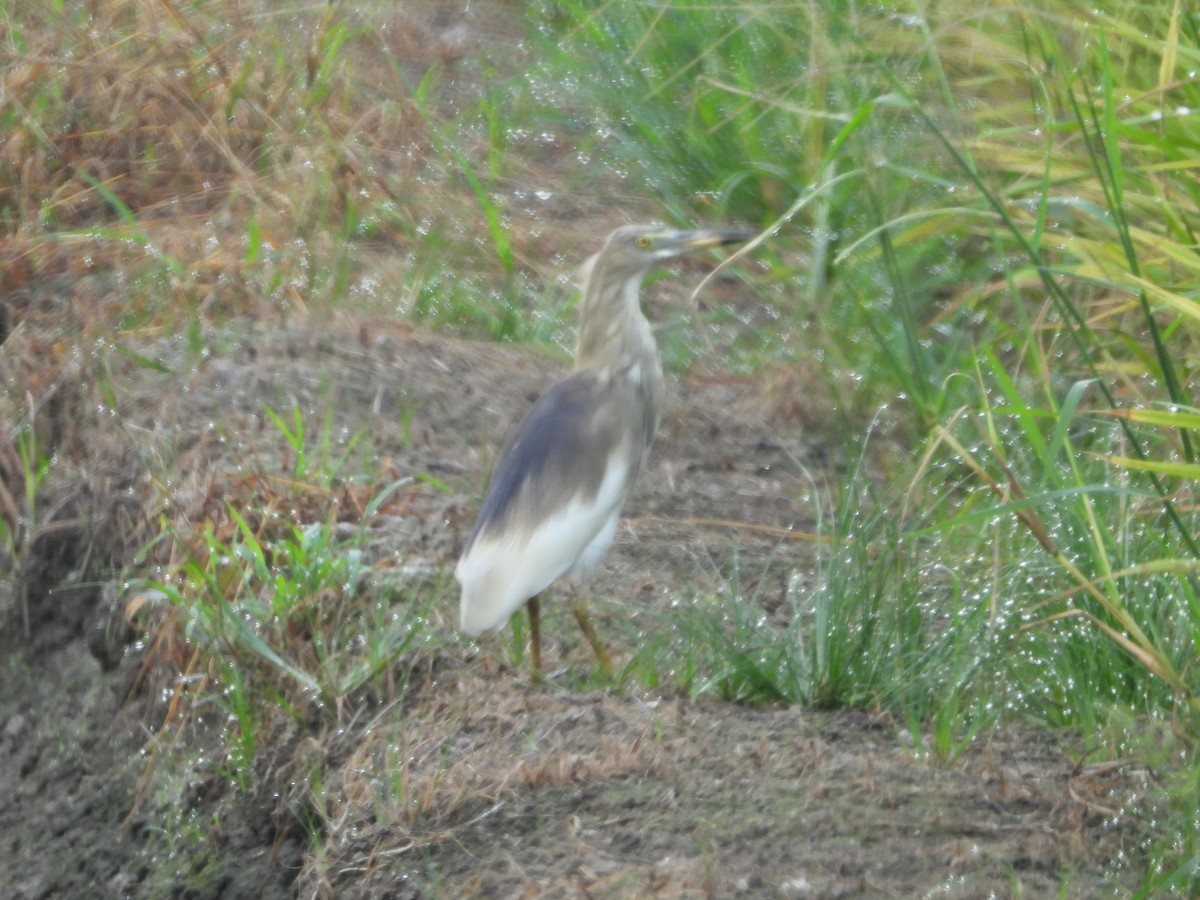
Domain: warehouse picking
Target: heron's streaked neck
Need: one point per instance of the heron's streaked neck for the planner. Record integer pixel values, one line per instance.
(614, 336)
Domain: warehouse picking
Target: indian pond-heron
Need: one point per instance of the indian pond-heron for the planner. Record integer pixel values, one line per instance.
(551, 508)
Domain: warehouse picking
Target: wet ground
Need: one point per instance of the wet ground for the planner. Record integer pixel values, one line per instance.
(473, 779)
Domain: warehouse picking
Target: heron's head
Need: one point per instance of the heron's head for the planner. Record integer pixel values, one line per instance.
(633, 250)
(634, 247)
(611, 322)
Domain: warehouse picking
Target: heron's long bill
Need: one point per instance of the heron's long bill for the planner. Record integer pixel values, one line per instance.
(681, 241)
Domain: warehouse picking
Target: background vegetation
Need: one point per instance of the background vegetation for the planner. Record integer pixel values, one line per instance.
(978, 237)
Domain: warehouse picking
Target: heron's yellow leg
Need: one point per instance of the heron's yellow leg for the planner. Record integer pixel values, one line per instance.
(533, 607)
(580, 608)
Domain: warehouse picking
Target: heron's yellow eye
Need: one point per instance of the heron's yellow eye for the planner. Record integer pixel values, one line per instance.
(643, 241)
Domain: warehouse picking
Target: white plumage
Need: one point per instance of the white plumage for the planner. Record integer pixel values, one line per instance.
(502, 571)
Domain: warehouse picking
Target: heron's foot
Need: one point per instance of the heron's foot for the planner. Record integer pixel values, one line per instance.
(580, 608)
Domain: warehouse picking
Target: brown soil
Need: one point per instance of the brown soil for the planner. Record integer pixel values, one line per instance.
(477, 781)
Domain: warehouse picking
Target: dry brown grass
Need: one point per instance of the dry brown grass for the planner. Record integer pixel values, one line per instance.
(482, 787)
(225, 148)
(484, 744)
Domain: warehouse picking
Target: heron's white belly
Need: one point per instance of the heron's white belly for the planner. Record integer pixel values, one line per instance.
(500, 572)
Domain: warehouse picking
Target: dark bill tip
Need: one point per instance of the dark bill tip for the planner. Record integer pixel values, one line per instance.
(735, 235)
(714, 237)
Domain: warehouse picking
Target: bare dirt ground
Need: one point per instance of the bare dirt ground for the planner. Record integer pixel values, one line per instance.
(477, 781)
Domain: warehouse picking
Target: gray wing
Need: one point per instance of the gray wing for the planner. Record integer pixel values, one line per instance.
(561, 449)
